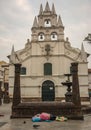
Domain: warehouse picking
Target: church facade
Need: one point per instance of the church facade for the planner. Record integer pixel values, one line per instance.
(46, 58)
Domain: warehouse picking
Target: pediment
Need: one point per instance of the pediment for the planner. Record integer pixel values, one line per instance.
(24, 53)
(72, 52)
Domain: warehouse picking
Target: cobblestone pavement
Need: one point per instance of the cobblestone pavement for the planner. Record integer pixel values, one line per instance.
(18, 124)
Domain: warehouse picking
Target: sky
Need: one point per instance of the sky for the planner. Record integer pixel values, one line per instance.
(17, 16)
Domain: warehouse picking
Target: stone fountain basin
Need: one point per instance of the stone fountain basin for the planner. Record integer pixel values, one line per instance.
(68, 74)
(67, 83)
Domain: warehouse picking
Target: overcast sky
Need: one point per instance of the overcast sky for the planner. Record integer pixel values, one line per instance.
(16, 20)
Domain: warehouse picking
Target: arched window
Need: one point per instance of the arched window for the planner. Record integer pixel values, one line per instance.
(41, 37)
(23, 71)
(54, 36)
(47, 69)
(47, 23)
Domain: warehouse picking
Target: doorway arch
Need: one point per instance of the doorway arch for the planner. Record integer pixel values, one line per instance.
(48, 91)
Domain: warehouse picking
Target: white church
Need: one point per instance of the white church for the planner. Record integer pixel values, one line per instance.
(46, 58)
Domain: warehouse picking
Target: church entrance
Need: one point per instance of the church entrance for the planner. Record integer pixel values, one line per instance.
(48, 91)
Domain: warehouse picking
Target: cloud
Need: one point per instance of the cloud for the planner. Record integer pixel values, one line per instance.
(76, 33)
(15, 24)
(16, 11)
(24, 4)
(4, 41)
(16, 19)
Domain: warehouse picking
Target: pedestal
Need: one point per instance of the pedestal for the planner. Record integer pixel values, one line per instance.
(68, 97)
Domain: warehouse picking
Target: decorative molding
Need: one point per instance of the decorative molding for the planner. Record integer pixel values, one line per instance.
(68, 47)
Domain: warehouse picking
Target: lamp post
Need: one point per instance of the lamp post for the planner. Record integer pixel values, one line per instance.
(87, 45)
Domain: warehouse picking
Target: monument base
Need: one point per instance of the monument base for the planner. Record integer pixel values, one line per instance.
(28, 110)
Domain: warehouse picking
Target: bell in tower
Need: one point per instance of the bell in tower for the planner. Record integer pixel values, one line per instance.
(47, 26)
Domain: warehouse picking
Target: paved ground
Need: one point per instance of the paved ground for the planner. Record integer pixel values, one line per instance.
(18, 124)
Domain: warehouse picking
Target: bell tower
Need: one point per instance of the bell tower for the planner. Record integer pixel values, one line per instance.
(47, 26)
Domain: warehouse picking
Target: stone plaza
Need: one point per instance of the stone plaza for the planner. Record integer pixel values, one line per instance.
(26, 123)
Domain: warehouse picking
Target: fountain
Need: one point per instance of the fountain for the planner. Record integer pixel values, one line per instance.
(71, 108)
(68, 84)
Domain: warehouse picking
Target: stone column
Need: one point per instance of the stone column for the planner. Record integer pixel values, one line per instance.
(16, 92)
(75, 84)
(0, 94)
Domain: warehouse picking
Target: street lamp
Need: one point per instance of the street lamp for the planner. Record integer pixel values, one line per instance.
(88, 49)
